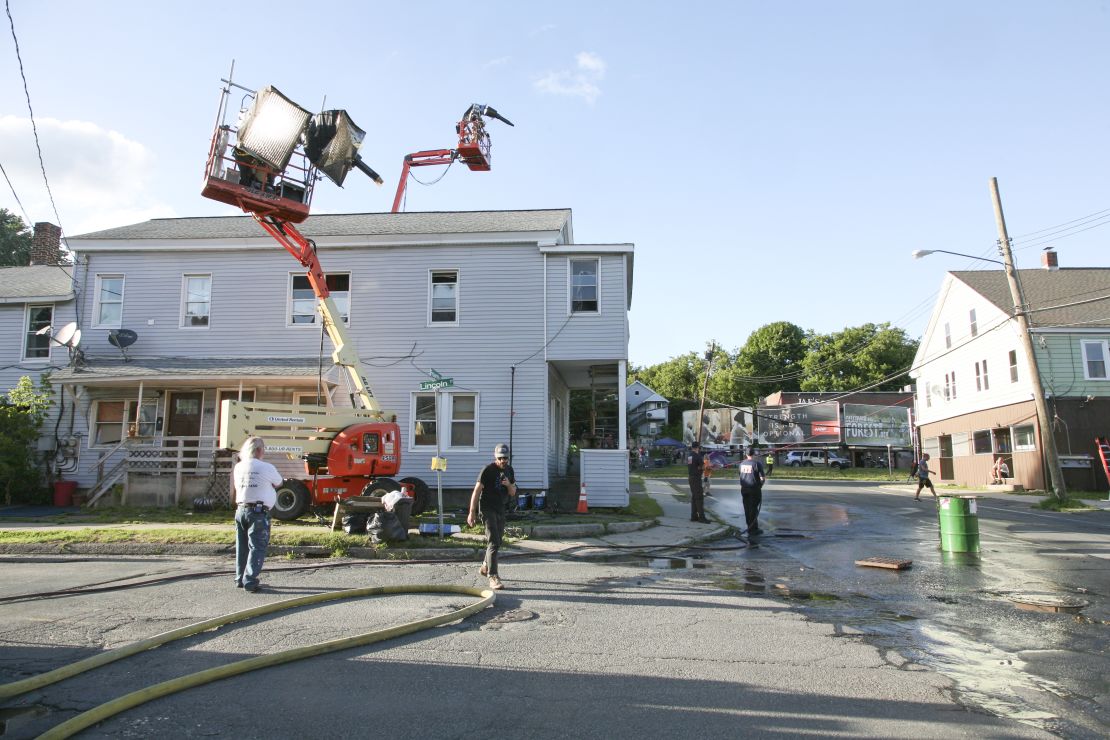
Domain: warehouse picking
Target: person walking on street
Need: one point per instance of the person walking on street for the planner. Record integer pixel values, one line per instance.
(706, 474)
(695, 464)
(752, 478)
(769, 462)
(923, 477)
(255, 484)
(496, 486)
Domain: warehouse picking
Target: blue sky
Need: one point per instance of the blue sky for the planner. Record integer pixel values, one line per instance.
(769, 160)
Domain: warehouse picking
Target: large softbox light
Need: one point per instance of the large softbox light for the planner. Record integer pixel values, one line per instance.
(332, 141)
(272, 127)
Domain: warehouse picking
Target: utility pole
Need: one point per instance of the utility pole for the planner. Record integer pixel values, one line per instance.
(1048, 436)
(704, 387)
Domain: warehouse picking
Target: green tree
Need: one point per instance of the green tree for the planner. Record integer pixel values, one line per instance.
(678, 377)
(22, 412)
(15, 240)
(856, 357)
(770, 361)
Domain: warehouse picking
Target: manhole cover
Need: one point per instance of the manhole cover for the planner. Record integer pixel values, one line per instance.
(513, 615)
(1048, 602)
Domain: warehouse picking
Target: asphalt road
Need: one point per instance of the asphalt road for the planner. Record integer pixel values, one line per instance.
(783, 638)
(954, 613)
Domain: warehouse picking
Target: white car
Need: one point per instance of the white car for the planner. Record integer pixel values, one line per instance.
(809, 458)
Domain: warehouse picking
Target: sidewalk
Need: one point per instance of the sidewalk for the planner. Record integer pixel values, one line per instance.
(673, 529)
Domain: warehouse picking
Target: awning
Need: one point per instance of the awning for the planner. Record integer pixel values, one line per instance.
(105, 371)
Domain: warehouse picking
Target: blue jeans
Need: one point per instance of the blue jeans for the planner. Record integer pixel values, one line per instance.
(252, 537)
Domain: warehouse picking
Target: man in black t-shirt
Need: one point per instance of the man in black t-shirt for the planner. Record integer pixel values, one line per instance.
(495, 487)
(695, 461)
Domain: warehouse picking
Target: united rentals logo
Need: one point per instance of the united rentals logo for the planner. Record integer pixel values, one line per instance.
(285, 419)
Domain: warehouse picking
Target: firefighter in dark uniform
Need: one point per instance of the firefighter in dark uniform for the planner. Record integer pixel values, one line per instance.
(695, 461)
(752, 478)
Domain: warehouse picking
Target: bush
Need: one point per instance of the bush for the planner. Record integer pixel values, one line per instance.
(21, 415)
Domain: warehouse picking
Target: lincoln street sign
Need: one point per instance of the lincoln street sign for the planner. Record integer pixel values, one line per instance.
(431, 385)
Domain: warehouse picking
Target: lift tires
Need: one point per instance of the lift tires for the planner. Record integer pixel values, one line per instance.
(380, 487)
(292, 500)
(421, 495)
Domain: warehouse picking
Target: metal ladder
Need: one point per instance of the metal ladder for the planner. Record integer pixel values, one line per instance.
(1103, 446)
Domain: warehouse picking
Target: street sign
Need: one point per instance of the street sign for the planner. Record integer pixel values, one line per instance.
(431, 385)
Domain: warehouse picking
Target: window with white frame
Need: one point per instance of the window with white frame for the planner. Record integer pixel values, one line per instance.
(947, 336)
(583, 286)
(953, 385)
(423, 420)
(986, 378)
(978, 378)
(113, 420)
(1024, 438)
(982, 382)
(1013, 366)
(196, 300)
(302, 299)
(443, 297)
(973, 322)
(928, 395)
(36, 344)
(310, 398)
(1095, 355)
(460, 420)
(108, 301)
(464, 420)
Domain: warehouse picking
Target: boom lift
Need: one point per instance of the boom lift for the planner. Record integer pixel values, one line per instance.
(267, 166)
(473, 148)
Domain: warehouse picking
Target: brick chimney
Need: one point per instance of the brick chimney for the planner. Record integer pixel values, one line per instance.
(46, 245)
(1048, 259)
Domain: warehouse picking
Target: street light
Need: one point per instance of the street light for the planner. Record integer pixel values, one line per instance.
(1048, 436)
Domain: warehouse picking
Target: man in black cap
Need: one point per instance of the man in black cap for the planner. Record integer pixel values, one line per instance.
(752, 478)
(695, 461)
(496, 486)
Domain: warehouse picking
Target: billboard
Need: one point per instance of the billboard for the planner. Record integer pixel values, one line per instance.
(865, 424)
(720, 427)
(814, 423)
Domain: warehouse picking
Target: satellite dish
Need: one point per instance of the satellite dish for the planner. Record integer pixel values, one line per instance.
(69, 335)
(122, 338)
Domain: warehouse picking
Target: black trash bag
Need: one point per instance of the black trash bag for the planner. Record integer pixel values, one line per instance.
(355, 523)
(386, 526)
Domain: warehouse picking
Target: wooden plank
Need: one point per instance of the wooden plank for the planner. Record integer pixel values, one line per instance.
(890, 563)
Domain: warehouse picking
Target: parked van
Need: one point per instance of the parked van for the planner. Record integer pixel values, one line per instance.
(809, 458)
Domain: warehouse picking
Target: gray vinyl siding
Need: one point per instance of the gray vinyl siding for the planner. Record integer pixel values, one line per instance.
(588, 336)
(607, 472)
(1061, 363)
(500, 324)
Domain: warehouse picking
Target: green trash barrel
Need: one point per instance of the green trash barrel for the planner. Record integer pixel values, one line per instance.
(959, 524)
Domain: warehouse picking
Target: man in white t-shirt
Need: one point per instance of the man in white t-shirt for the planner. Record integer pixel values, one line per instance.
(255, 483)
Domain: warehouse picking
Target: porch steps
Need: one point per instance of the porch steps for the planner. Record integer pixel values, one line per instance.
(113, 476)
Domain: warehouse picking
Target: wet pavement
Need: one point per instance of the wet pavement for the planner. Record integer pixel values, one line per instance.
(985, 621)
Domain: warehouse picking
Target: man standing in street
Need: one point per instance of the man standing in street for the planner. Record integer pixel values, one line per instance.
(923, 477)
(695, 464)
(254, 483)
(496, 486)
(752, 479)
(769, 461)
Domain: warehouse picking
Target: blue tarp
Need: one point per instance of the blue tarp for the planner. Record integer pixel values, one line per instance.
(668, 442)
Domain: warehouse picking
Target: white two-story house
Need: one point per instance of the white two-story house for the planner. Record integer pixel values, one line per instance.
(974, 393)
(502, 302)
(647, 411)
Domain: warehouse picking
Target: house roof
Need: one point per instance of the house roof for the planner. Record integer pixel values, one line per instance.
(344, 224)
(37, 282)
(1070, 296)
(167, 370)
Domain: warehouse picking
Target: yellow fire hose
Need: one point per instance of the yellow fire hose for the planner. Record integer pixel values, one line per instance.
(135, 698)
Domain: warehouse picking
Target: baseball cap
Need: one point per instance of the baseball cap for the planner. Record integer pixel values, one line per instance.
(501, 450)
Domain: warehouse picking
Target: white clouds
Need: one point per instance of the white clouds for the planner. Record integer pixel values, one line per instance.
(581, 82)
(99, 178)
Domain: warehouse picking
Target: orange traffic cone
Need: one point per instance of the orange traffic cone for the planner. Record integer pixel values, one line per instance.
(582, 508)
